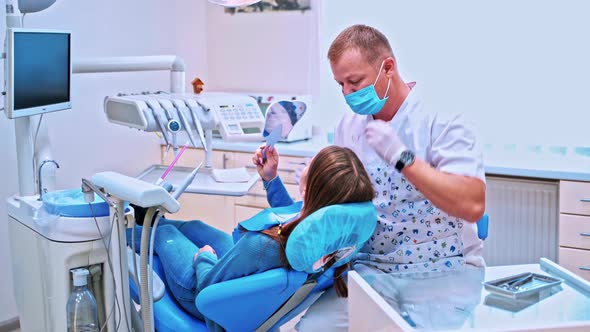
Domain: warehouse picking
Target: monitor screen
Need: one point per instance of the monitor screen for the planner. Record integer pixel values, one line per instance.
(39, 70)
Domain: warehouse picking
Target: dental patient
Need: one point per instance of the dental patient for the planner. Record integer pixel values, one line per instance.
(195, 255)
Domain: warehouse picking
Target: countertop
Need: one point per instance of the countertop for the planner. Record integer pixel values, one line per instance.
(506, 161)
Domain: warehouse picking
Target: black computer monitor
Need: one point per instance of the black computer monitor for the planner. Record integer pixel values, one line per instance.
(38, 71)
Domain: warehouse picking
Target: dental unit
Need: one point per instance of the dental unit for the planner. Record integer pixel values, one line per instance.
(56, 232)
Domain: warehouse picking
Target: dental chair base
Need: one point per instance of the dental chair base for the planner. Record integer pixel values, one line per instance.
(253, 299)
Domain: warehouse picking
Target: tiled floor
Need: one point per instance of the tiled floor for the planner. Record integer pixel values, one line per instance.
(288, 327)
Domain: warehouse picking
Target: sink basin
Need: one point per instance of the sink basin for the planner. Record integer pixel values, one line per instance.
(71, 203)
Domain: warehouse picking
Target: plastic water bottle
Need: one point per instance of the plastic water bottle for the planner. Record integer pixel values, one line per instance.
(81, 307)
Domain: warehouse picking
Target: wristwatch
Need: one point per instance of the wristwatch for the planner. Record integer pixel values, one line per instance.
(405, 159)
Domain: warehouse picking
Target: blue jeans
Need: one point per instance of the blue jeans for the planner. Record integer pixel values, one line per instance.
(175, 244)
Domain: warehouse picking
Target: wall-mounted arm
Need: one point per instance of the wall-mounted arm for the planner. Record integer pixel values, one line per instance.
(172, 63)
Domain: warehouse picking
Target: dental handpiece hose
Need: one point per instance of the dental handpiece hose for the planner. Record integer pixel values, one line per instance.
(187, 181)
(161, 179)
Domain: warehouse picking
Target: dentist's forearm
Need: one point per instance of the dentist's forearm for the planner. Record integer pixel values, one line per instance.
(458, 195)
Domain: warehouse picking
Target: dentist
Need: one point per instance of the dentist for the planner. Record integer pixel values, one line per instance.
(426, 169)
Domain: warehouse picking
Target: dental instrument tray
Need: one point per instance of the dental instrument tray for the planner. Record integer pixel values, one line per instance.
(203, 183)
(521, 285)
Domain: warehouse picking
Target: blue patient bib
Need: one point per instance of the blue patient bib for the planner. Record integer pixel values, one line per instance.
(268, 218)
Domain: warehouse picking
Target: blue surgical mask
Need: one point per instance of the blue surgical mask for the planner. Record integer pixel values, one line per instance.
(366, 101)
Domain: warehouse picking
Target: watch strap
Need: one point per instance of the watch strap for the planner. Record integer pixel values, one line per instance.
(399, 165)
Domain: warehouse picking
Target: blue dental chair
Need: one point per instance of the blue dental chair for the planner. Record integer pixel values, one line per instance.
(265, 301)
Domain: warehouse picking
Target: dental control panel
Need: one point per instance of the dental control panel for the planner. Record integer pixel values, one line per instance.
(239, 116)
(236, 117)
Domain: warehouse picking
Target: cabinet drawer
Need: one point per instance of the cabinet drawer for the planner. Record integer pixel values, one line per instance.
(574, 197)
(245, 212)
(192, 157)
(214, 210)
(287, 165)
(257, 196)
(574, 231)
(243, 159)
(576, 260)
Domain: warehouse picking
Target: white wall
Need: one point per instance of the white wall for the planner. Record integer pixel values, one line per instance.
(82, 139)
(263, 52)
(518, 69)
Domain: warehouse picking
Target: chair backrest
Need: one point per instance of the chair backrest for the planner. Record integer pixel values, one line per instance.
(342, 228)
(253, 299)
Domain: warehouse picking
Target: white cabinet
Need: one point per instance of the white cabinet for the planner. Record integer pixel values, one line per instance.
(226, 212)
(212, 209)
(255, 201)
(574, 227)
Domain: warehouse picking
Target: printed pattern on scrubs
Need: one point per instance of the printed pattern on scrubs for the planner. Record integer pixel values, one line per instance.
(412, 234)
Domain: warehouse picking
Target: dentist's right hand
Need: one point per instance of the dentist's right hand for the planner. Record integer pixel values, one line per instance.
(384, 140)
(266, 169)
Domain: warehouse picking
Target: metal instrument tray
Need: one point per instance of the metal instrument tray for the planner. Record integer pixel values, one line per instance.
(521, 285)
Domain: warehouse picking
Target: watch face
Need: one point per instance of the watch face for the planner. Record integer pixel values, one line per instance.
(405, 159)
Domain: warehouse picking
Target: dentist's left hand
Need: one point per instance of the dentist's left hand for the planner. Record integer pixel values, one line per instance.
(381, 137)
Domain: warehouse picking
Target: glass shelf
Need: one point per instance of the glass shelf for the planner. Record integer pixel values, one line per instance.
(458, 300)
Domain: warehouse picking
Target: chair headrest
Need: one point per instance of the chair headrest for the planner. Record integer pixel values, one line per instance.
(341, 227)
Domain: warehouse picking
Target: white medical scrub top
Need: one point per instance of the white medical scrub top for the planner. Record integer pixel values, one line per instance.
(412, 234)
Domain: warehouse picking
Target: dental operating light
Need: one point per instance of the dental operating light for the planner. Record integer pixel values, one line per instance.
(234, 3)
(32, 6)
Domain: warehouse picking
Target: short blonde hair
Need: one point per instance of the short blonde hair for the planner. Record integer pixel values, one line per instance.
(370, 42)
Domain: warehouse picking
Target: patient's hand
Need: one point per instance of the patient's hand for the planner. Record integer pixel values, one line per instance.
(206, 248)
(267, 170)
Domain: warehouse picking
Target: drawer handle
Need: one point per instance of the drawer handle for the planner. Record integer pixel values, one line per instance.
(585, 234)
(585, 200)
(256, 195)
(286, 170)
(298, 163)
(584, 268)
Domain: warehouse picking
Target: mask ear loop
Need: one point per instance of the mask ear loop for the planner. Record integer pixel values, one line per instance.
(388, 84)
(388, 80)
(380, 68)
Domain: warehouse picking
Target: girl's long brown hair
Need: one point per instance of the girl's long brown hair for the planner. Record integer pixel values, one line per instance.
(335, 176)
